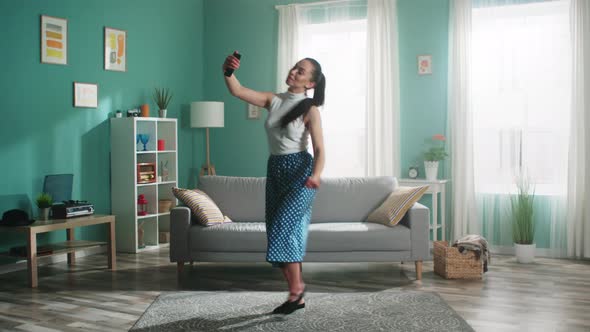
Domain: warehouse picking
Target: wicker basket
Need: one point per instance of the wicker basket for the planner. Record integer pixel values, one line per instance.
(164, 205)
(449, 263)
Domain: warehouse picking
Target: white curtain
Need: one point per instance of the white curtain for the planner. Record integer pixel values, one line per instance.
(356, 43)
(578, 235)
(521, 91)
(288, 43)
(383, 114)
(460, 122)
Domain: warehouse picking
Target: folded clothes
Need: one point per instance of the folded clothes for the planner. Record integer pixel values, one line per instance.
(477, 244)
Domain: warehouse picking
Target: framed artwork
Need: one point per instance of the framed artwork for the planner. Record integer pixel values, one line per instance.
(85, 95)
(115, 49)
(424, 64)
(54, 40)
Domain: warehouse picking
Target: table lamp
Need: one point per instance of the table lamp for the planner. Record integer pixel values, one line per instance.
(207, 114)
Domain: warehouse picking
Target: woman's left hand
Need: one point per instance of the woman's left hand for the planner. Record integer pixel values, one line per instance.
(312, 182)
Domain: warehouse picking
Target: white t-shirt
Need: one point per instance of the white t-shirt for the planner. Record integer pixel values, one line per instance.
(294, 137)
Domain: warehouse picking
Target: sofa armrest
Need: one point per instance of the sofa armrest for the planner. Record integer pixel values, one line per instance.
(417, 219)
(180, 223)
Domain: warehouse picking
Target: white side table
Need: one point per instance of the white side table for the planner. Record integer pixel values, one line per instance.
(434, 187)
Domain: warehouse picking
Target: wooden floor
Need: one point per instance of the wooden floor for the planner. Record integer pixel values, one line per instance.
(549, 295)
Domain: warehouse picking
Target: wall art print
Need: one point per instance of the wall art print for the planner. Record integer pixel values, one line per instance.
(115, 49)
(54, 40)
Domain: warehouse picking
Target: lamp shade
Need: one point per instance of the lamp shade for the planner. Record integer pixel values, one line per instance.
(206, 114)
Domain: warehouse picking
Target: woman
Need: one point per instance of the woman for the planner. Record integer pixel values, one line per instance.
(293, 175)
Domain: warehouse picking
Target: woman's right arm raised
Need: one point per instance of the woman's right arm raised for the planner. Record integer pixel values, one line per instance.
(258, 98)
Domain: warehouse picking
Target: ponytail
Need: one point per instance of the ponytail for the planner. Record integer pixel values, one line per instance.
(303, 107)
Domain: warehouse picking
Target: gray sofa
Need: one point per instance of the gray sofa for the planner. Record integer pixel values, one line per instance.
(337, 232)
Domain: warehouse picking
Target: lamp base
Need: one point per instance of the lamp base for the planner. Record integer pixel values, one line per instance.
(207, 170)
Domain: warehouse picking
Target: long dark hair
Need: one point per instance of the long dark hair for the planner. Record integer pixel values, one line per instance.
(318, 95)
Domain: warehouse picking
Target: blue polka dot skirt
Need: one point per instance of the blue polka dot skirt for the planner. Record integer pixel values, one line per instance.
(288, 207)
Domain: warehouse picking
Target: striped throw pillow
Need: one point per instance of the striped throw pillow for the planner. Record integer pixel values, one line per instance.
(395, 206)
(204, 210)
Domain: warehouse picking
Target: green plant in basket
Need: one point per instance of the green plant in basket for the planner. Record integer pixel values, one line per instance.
(44, 200)
(162, 97)
(523, 225)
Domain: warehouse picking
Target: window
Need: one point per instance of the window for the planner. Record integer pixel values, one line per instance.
(340, 47)
(521, 95)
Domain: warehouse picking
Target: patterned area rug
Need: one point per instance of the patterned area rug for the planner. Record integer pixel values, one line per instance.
(251, 311)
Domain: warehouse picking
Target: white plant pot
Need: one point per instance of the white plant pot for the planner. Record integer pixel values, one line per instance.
(431, 168)
(525, 253)
(162, 113)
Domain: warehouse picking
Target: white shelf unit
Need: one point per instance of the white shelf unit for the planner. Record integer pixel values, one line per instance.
(126, 153)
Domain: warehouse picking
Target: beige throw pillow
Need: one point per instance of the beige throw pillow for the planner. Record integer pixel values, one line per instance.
(204, 210)
(395, 206)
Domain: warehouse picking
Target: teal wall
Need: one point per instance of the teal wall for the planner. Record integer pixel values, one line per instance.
(42, 133)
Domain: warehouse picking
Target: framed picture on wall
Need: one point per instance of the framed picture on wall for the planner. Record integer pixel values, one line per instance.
(115, 49)
(85, 95)
(424, 64)
(54, 40)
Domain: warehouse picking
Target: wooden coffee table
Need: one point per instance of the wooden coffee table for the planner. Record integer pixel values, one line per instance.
(68, 247)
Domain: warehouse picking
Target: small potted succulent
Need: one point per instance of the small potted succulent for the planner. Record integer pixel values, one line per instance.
(44, 201)
(162, 98)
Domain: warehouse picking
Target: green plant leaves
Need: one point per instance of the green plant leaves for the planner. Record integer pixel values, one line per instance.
(162, 97)
(44, 200)
(523, 226)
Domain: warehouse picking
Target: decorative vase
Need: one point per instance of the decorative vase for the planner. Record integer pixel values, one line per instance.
(162, 113)
(145, 111)
(431, 168)
(140, 233)
(525, 253)
(43, 213)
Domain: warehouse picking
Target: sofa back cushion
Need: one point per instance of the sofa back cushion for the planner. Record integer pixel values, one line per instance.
(350, 199)
(239, 198)
(337, 199)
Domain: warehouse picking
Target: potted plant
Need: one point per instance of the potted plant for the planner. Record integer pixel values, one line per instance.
(162, 98)
(44, 201)
(523, 225)
(433, 155)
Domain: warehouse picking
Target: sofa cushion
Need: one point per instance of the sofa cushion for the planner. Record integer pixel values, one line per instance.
(350, 199)
(337, 199)
(356, 236)
(395, 206)
(240, 198)
(203, 209)
(232, 237)
(323, 237)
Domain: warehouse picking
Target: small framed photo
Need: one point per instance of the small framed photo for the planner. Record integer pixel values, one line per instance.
(115, 49)
(85, 95)
(54, 40)
(424, 64)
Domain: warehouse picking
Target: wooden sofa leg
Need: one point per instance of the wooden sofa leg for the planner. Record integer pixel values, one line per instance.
(179, 266)
(418, 270)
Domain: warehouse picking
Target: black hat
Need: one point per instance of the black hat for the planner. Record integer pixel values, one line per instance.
(16, 217)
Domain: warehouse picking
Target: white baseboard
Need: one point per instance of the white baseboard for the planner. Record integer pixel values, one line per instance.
(539, 252)
(46, 260)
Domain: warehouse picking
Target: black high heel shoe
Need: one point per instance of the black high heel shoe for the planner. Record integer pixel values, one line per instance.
(290, 306)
